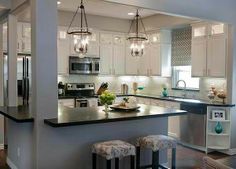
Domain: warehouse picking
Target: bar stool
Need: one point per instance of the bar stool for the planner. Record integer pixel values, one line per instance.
(156, 143)
(115, 149)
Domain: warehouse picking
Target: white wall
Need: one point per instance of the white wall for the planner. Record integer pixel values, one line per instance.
(96, 22)
(165, 21)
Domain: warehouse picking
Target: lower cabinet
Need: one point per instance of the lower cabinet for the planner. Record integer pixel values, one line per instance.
(67, 102)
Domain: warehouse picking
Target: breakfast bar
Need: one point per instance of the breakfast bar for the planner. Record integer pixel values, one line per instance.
(85, 126)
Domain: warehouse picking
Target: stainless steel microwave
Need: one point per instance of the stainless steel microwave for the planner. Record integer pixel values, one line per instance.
(83, 65)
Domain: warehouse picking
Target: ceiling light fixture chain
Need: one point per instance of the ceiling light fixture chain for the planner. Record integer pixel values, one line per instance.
(137, 40)
(81, 34)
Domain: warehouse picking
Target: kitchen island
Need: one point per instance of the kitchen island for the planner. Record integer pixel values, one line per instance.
(76, 129)
(71, 135)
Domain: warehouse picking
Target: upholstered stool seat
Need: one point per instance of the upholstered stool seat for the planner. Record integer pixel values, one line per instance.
(115, 149)
(156, 143)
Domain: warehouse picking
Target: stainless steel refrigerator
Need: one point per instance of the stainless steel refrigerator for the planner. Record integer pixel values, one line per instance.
(23, 78)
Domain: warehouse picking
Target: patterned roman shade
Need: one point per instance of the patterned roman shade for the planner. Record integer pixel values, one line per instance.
(181, 47)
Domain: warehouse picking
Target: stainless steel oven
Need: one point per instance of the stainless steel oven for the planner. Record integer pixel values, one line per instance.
(83, 65)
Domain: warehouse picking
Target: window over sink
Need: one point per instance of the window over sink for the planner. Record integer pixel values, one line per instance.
(184, 73)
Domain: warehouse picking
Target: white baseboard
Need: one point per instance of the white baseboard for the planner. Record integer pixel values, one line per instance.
(11, 164)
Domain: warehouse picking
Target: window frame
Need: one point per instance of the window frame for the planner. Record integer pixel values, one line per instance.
(175, 78)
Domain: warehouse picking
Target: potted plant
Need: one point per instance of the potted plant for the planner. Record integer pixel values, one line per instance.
(107, 99)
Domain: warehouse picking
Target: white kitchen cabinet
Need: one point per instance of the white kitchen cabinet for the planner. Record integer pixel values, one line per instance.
(106, 38)
(199, 55)
(67, 102)
(118, 54)
(63, 51)
(93, 47)
(5, 37)
(156, 60)
(106, 59)
(118, 60)
(209, 49)
(216, 56)
(132, 63)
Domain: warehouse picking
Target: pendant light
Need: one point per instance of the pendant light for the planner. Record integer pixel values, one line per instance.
(137, 39)
(81, 34)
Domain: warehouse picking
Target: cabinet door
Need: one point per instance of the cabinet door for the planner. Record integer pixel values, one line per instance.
(155, 60)
(105, 59)
(216, 58)
(132, 63)
(199, 31)
(106, 38)
(26, 45)
(118, 60)
(63, 51)
(5, 37)
(144, 67)
(93, 50)
(199, 54)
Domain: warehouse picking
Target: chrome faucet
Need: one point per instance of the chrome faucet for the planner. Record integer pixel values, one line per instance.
(184, 88)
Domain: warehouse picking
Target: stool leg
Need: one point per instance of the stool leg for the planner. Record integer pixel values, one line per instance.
(108, 164)
(155, 160)
(137, 157)
(94, 159)
(117, 163)
(132, 162)
(173, 159)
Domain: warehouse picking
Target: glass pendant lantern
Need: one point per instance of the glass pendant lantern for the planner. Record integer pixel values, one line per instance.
(80, 34)
(137, 39)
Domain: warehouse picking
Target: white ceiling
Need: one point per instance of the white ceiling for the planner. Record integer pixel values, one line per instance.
(99, 7)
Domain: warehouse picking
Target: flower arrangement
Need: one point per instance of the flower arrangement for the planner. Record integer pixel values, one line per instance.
(107, 99)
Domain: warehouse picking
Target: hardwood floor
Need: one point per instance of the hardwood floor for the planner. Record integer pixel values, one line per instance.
(192, 159)
(186, 158)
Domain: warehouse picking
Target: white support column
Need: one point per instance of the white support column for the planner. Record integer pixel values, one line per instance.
(1, 67)
(44, 73)
(12, 61)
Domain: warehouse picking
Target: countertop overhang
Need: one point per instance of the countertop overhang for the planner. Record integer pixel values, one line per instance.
(82, 116)
(20, 114)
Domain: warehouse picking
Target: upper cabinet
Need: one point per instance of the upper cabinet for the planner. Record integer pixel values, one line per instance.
(63, 51)
(156, 60)
(93, 47)
(209, 49)
(112, 53)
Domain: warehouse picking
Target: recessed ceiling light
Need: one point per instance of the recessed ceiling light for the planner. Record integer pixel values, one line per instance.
(58, 2)
(131, 14)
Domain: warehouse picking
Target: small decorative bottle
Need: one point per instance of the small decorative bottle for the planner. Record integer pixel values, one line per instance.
(218, 128)
(164, 92)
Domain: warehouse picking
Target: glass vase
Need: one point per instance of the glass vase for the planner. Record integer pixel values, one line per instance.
(106, 110)
(164, 92)
(218, 128)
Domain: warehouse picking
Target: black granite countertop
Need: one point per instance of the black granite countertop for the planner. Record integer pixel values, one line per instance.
(19, 114)
(81, 116)
(169, 98)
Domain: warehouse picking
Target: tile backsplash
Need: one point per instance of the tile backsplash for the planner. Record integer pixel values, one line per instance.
(152, 85)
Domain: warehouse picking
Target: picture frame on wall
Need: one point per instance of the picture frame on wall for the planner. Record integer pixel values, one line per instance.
(218, 115)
